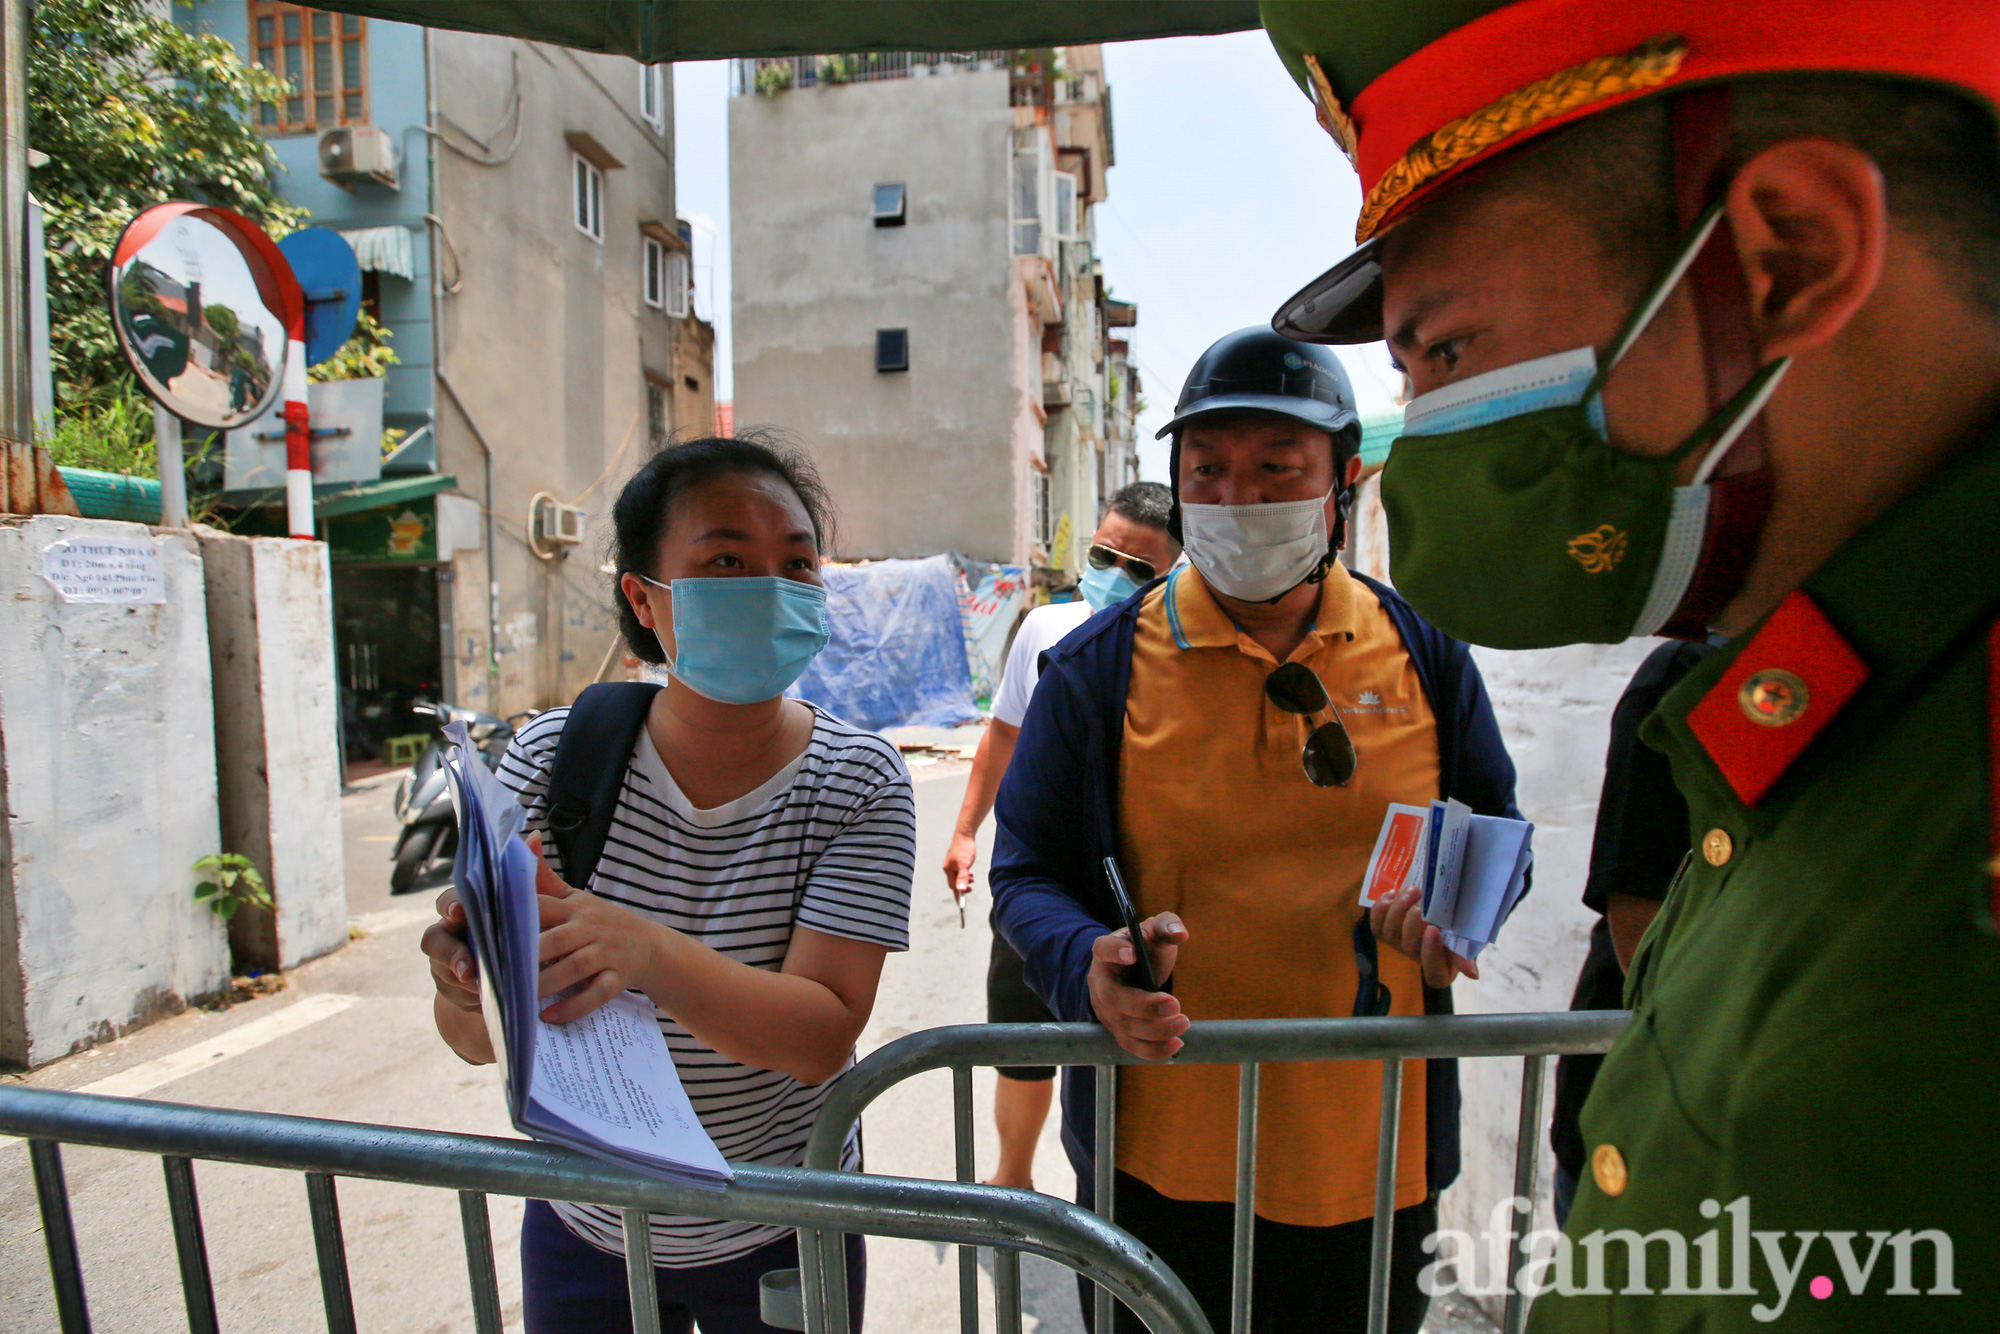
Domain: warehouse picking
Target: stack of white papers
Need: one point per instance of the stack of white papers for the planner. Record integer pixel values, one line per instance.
(605, 1083)
(1472, 868)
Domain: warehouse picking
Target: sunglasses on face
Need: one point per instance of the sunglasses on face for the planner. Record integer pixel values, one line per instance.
(1329, 758)
(1102, 557)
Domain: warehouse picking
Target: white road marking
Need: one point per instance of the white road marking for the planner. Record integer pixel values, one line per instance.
(389, 919)
(149, 1075)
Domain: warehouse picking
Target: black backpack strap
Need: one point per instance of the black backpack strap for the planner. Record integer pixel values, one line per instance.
(592, 754)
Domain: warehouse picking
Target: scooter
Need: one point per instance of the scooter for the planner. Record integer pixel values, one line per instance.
(429, 838)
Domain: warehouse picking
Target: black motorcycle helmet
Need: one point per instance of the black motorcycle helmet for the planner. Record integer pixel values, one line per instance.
(1257, 371)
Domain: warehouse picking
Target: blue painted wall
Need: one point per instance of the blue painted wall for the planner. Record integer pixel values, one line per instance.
(396, 97)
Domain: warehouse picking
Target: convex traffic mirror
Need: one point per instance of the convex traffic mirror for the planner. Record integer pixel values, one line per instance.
(203, 305)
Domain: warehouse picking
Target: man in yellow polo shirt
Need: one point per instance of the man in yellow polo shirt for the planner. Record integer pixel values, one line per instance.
(1233, 735)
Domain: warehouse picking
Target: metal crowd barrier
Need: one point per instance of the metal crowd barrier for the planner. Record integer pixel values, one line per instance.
(1011, 1221)
(1246, 1043)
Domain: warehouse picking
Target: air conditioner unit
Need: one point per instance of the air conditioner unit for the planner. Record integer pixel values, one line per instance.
(355, 153)
(557, 524)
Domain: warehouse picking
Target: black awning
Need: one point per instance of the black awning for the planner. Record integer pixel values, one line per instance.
(664, 30)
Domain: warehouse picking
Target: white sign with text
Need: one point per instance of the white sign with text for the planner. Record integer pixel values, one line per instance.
(105, 570)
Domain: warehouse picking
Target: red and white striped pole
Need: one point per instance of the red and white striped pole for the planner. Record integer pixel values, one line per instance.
(298, 437)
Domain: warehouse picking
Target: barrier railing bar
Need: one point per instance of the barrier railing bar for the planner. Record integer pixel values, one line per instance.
(814, 1276)
(1527, 1159)
(323, 1199)
(639, 1281)
(52, 1194)
(1391, 1039)
(1246, 1197)
(477, 1225)
(1007, 1291)
(790, 1197)
(1211, 1042)
(1389, 1132)
(961, 1136)
(190, 1247)
(1106, 1182)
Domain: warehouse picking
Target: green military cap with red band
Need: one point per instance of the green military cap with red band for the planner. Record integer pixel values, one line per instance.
(1417, 92)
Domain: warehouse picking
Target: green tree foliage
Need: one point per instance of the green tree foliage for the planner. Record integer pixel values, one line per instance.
(365, 356)
(132, 110)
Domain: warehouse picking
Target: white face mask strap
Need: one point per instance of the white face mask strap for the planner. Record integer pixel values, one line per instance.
(1704, 228)
(668, 589)
(1751, 407)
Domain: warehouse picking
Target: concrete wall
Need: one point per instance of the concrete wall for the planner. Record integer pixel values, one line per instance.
(921, 461)
(550, 342)
(1554, 708)
(107, 779)
(270, 627)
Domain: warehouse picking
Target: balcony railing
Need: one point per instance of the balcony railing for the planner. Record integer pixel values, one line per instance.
(775, 74)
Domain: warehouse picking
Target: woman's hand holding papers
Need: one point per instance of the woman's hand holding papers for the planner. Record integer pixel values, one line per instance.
(1398, 922)
(596, 948)
(453, 968)
(456, 977)
(802, 1020)
(455, 972)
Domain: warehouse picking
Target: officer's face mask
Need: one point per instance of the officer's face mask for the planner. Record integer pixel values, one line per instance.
(745, 639)
(1255, 552)
(1107, 587)
(1514, 523)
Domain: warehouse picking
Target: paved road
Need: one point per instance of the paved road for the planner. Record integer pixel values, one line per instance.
(351, 1039)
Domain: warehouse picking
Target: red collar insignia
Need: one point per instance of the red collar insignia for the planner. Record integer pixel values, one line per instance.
(1791, 680)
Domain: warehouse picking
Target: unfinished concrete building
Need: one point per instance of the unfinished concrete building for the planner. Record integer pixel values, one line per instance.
(917, 294)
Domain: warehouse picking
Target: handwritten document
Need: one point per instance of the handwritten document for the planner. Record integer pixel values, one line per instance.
(605, 1083)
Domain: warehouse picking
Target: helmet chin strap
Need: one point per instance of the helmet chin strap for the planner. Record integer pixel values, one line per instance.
(1740, 489)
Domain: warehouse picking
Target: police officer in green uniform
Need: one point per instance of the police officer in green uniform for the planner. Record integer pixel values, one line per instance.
(1700, 305)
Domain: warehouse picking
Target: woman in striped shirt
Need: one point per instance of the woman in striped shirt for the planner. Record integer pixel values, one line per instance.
(755, 876)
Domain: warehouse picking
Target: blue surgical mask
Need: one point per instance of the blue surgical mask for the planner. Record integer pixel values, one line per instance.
(744, 640)
(1529, 386)
(1106, 588)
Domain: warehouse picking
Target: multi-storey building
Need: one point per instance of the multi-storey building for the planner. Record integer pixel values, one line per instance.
(512, 205)
(917, 294)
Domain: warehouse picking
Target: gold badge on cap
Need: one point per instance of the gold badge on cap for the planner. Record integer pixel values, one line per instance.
(1599, 550)
(1567, 90)
(1327, 110)
(1773, 697)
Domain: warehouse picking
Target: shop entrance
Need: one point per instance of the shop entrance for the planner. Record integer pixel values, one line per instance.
(389, 652)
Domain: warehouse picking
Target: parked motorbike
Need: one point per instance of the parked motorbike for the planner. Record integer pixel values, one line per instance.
(429, 838)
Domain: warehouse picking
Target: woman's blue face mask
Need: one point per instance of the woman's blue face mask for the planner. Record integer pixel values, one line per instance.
(743, 639)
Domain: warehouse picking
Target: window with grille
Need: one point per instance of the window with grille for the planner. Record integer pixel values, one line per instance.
(656, 273)
(679, 285)
(652, 101)
(324, 57)
(1066, 225)
(1027, 202)
(587, 206)
(1044, 519)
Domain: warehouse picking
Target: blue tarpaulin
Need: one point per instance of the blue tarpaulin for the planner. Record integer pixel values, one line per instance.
(897, 657)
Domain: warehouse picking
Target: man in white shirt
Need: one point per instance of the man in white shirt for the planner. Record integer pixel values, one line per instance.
(1129, 548)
